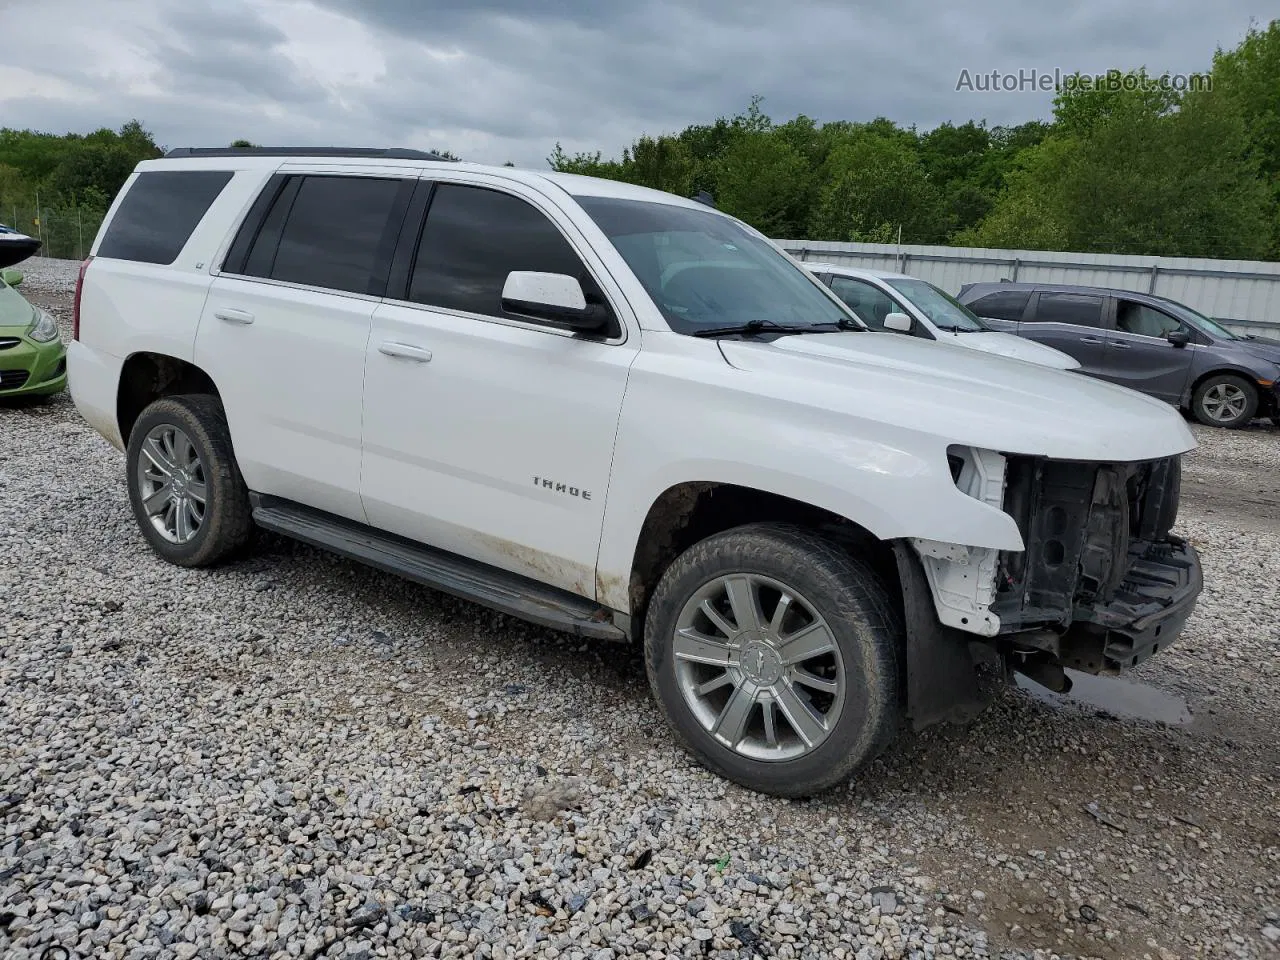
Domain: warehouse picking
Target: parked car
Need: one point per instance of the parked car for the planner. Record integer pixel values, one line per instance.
(628, 416)
(33, 359)
(908, 305)
(15, 246)
(1148, 343)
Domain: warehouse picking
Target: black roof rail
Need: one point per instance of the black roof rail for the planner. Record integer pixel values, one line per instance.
(380, 153)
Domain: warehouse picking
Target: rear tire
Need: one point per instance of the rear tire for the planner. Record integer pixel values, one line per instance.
(775, 717)
(1225, 400)
(187, 494)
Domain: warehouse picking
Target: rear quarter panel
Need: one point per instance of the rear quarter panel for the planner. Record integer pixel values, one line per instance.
(128, 307)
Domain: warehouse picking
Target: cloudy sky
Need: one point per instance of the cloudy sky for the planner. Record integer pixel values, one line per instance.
(498, 80)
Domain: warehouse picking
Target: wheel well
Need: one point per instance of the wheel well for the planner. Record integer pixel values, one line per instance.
(146, 377)
(690, 512)
(1265, 397)
(1225, 372)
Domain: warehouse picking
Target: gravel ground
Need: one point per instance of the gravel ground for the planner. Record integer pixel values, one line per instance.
(294, 756)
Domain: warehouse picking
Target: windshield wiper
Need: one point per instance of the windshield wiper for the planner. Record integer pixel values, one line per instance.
(754, 327)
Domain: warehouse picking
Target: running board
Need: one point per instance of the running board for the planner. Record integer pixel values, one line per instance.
(466, 579)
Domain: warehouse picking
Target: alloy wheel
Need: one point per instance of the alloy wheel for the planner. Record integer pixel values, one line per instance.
(171, 482)
(758, 667)
(1224, 402)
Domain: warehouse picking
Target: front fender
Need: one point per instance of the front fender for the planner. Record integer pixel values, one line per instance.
(893, 482)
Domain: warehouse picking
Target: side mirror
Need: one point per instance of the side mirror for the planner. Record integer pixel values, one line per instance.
(555, 298)
(11, 276)
(1179, 338)
(898, 322)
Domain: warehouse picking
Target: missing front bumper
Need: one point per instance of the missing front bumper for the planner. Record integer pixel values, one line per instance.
(1146, 614)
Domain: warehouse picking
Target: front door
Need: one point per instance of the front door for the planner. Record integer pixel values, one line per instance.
(487, 434)
(1140, 356)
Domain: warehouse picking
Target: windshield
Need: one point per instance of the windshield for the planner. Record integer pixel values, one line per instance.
(945, 312)
(704, 271)
(1200, 321)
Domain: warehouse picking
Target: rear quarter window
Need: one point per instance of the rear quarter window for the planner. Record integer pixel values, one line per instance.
(158, 214)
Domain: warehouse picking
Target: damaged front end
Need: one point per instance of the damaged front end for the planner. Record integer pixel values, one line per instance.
(1102, 584)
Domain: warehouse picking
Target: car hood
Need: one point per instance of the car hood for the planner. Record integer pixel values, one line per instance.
(1007, 345)
(1263, 348)
(964, 396)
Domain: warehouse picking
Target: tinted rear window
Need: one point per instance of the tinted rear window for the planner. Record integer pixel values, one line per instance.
(334, 232)
(1005, 305)
(158, 214)
(1078, 308)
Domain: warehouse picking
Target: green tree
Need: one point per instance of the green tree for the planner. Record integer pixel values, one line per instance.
(870, 186)
(763, 180)
(1137, 176)
(1249, 76)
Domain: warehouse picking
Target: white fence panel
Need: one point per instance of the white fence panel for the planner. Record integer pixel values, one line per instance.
(1244, 292)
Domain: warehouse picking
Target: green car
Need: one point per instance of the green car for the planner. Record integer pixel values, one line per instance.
(33, 359)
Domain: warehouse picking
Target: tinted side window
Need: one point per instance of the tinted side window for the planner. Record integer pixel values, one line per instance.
(334, 232)
(1078, 308)
(1004, 305)
(870, 303)
(474, 237)
(156, 217)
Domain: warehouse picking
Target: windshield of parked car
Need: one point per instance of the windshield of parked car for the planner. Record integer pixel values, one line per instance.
(944, 311)
(704, 271)
(1200, 321)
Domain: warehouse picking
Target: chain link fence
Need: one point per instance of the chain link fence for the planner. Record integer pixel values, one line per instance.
(64, 232)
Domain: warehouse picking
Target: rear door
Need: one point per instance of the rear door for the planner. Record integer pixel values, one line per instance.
(1139, 354)
(285, 327)
(1070, 322)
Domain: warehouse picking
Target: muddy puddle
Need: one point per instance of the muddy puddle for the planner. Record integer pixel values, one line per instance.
(1116, 696)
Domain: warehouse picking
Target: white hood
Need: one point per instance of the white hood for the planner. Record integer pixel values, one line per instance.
(1007, 345)
(966, 396)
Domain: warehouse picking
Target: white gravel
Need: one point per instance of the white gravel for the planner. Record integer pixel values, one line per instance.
(47, 275)
(294, 756)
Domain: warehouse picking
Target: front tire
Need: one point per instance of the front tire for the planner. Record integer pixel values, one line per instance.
(774, 656)
(185, 488)
(1225, 400)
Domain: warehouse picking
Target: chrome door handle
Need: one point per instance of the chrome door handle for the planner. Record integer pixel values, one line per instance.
(1090, 340)
(1120, 344)
(234, 315)
(406, 351)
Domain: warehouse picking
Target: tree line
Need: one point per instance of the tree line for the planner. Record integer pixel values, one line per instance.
(58, 187)
(1133, 167)
(1127, 166)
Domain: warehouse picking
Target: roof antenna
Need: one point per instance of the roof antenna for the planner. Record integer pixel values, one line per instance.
(704, 198)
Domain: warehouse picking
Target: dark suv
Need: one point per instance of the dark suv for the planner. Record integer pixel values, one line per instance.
(1152, 344)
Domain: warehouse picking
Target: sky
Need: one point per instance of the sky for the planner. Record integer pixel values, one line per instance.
(505, 80)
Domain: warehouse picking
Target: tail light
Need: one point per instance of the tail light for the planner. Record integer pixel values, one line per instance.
(75, 308)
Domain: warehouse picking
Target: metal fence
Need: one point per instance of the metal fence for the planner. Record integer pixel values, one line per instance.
(1244, 293)
(65, 233)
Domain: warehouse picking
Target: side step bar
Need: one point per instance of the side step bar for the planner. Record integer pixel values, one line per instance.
(479, 583)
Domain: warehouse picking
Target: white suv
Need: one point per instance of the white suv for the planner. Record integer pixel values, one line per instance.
(626, 415)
